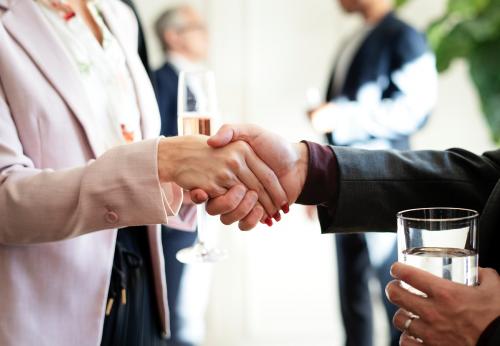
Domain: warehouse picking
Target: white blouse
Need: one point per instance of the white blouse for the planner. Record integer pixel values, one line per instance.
(115, 116)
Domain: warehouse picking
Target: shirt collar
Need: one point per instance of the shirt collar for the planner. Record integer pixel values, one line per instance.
(181, 63)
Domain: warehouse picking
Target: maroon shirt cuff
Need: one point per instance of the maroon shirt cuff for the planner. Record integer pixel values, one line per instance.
(321, 185)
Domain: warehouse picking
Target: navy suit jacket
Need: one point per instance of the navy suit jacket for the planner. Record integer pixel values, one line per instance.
(165, 82)
(386, 50)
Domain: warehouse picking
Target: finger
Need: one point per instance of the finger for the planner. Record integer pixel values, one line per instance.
(247, 177)
(198, 196)
(223, 137)
(488, 276)
(269, 180)
(418, 278)
(408, 340)
(406, 300)
(228, 202)
(251, 220)
(231, 133)
(243, 209)
(401, 321)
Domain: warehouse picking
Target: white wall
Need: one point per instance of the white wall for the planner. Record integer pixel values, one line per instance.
(279, 286)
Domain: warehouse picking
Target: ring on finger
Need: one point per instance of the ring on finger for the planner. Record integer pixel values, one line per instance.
(408, 322)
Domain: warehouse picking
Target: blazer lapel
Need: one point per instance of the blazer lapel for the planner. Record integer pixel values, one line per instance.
(26, 24)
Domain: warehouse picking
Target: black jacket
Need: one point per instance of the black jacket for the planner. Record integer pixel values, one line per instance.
(374, 185)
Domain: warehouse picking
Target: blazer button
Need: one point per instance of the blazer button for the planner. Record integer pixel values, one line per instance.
(111, 217)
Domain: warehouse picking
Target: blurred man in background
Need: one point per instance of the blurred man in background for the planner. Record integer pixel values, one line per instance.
(383, 87)
(183, 35)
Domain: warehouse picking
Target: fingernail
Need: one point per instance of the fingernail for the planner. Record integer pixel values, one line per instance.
(285, 208)
(394, 270)
(277, 216)
(269, 222)
(386, 291)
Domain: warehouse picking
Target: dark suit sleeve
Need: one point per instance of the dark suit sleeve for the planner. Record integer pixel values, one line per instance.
(491, 335)
(372, 186)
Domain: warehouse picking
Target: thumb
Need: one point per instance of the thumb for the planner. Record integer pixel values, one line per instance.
(198, 196)
(224, 136)
(232, 133)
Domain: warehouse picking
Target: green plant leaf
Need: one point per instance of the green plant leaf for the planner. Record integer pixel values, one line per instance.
(484, 70)
(467, 8)
(399, 3)
(458, 43)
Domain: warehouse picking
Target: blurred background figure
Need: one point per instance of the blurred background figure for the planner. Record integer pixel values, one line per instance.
(182, 34)
(382, 89)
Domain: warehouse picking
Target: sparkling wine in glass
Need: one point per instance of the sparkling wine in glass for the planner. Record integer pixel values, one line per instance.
(442, 241)
(197, 108)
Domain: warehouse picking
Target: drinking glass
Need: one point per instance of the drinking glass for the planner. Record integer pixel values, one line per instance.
(196, 110)
(442, 241)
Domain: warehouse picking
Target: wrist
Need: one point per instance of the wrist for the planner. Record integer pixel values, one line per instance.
(302, 164)
(321, 178)
(166, 155)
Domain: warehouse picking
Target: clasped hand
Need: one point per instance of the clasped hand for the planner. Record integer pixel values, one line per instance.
(245, 173)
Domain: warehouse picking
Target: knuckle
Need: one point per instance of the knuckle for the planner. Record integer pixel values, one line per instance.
(233, 163)
(247, 224)
(224, 176)
(426, 334)
(211, 211)
(252, 197)
(428, 315)
(226, 220)
(242, 146)
(491, 272)
(445, 296)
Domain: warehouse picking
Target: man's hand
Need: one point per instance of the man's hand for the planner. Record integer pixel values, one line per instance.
(451, 314)
(191, 163)
(288, 161)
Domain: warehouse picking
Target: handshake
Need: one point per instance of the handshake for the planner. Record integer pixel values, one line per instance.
(244, 173)
(247, 174)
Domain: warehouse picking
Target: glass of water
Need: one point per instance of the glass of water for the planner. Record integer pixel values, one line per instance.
(442, 241)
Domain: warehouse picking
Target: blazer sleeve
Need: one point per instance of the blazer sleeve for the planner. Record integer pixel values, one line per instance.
(120, 188)
(374, 185)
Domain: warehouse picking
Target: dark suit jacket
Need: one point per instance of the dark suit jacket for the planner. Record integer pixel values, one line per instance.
(165, 82)
(387, 49)
(374, 185)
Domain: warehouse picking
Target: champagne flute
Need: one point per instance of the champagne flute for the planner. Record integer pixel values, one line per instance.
(196, 110)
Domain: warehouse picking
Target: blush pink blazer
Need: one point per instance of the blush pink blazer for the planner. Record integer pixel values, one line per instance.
(60, 200)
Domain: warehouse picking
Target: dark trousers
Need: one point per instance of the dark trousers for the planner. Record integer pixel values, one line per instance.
(134, 320)
(173, 241)
(354, 272)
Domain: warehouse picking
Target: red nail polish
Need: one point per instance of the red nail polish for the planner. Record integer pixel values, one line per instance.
(277, 216)
(269, 222)
(285, 208)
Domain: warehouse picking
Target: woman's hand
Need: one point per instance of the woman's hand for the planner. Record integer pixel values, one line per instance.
(288, 161)
(191, 163)
(451, 314)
